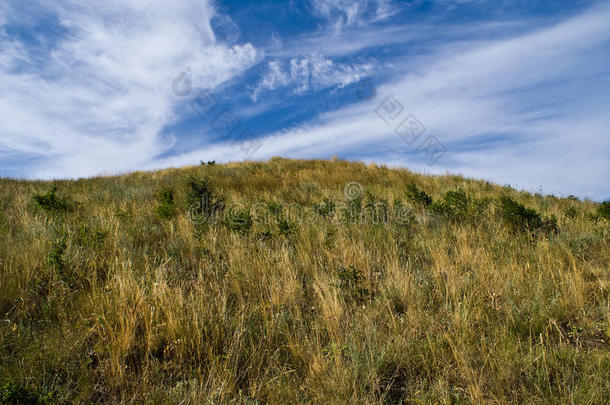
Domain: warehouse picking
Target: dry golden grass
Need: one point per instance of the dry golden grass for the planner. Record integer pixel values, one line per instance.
(117, 301)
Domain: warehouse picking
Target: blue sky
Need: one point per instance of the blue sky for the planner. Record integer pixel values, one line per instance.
(516, 92)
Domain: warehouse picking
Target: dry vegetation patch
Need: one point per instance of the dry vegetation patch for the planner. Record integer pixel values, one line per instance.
(275, 283)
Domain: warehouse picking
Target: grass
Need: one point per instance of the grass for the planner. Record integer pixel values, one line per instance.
(262, 283)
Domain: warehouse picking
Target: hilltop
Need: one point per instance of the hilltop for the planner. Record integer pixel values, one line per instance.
(294, 281)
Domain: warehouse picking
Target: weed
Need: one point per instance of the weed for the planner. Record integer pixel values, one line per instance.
(166, 208)
(454, 206)
(480, 205)
(604, 210)
(377, 210)
(275, 208)
(264, 235)
(51, 202)
(350, 282)
(55, 259)
(416, 196)
(202, 199)
(91, 237)
(330, 238)
(520, 218)
(285, 227)
(14, 394)
(353, 209)
(325, 208)
(238, 220)
(571, 212)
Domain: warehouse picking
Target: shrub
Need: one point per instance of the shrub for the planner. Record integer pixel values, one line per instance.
(202, 199)
(417, 196)
(457, 200)
(377, 209)
(353, 209)
(571, 212)
(517, 216)
(285, 227)
(264, 235)
(55, 259)
(13, 394)
(275, 208)
(454, 205)
(402, 215)
(50, 202)
(550, 225)
(350, 282)
(89, 237)
(604, 210)
(520, 218)
(325, 208)
(238, 220)
(166, 208)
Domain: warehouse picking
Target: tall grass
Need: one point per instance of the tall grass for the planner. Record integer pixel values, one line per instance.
(262, 283)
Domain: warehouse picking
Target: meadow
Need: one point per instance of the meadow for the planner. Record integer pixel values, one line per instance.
(293, 281)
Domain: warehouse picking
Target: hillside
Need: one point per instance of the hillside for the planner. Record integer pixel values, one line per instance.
(300, 282)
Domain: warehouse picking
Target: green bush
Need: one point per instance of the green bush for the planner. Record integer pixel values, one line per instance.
(571, 212)
(454, 205)
(238, 220)
(55, 259)
(91, 237)
(13, 394)
(376, 209)
(325, 208)
(417, 197)
(51, 202)
(521, 218)
(353, 209)
(166, 208)
(604, 210)
(350, 282)
(285, 227)
(202, 199)
(275, 208)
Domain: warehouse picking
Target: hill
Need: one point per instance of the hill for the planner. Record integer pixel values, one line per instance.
(300, 282)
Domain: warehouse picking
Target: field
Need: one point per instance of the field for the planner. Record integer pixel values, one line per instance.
(300, 282)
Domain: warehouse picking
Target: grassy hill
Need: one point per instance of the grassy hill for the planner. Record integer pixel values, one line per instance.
(300, 282)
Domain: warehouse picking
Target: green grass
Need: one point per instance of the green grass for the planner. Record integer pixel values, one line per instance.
(265, 283)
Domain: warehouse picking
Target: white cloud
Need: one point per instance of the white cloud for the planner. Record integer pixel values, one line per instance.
(544, 95)
(104, 93)
(309, 73)
(345, 13)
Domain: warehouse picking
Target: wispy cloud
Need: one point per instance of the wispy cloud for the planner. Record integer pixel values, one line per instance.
(312, 72)
(544, 94)
(345, 13)
(104, 93)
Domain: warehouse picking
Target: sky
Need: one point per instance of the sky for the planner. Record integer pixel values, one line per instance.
(515, 92)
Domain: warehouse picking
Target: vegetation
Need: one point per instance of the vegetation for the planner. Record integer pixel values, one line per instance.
(50, 201)
(417, 196)
(166, 208)
(604, 210)
(520, 218)
(266, 283)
